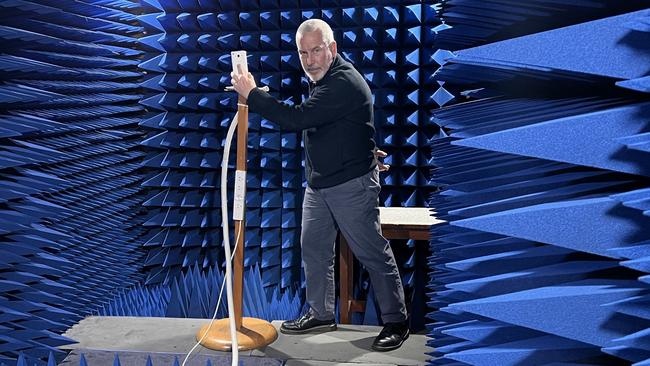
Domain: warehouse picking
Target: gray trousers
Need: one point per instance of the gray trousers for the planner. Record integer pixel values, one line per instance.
(351, 207)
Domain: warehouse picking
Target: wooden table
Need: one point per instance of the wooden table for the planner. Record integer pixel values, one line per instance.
(396, 223)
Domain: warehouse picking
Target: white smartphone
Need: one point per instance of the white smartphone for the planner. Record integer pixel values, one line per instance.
(239, 59)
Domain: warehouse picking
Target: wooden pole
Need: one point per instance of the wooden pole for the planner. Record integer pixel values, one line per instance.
(252, 333)
(242, 145)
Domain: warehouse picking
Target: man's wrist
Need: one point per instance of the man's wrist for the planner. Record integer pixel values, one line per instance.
(250, 91)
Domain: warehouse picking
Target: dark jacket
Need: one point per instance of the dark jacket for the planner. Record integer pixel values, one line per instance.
(337, 124)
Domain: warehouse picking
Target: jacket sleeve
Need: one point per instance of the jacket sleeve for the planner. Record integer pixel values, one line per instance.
(328, 103)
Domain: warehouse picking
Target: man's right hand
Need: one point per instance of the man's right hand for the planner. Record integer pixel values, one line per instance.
(243, 84)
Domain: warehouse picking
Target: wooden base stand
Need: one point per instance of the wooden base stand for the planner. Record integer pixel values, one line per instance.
(254, 333)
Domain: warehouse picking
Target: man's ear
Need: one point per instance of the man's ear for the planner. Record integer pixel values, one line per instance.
(333, 48)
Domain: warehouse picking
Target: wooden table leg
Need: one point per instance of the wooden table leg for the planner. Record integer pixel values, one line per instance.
(346, 278)
(347, 303)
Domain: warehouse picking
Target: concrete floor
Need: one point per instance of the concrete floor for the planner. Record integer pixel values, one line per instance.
(348, 346)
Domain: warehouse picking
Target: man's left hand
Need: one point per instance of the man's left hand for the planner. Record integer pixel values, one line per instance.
(381, 154)
(243, 84)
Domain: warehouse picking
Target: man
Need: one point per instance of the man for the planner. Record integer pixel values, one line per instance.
(343, 182)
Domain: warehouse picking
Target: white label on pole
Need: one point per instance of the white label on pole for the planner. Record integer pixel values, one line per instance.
(239, 201)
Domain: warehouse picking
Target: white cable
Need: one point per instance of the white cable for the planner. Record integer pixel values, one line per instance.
(226, 244)
(216, 309)
(234, 345)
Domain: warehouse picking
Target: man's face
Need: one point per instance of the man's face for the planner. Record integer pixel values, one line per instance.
(315, 56)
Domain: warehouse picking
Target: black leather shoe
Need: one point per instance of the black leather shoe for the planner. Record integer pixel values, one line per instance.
(307, 323)
(391, 337)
